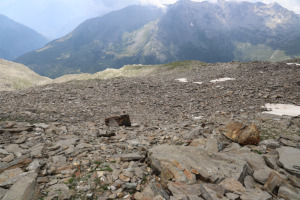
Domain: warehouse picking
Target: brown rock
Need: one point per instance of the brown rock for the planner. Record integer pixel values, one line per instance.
(124, 178)
(122, 120)
(238, 132)
(274, 182)
(250, 136)
(233, 131)
(15, 164)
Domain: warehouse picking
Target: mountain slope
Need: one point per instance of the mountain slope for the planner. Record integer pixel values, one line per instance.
(187, 30)
(17, 76)
(17, 39)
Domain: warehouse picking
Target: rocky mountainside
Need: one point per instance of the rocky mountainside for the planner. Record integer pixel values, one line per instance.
(187, 30)
(16, 76)
(17, 39)
(201, 132)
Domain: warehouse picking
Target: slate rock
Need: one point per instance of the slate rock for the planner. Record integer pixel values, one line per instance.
(255, 194)
(15, 164)
(2, 192)
(233, 185)
(184, 189)
(25, 188)
(274, 182)
(132, 157)
(151, 191)
(183, 163)
(289, 158)
(59, 191)
(289, 193)
(262, 175)
(270, 143)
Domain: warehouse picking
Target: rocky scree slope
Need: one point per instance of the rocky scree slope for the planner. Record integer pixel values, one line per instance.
(55, 144)
(187, 30)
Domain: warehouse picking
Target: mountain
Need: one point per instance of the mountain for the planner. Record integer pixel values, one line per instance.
(186, 30)
(17, 39)
(17, 76)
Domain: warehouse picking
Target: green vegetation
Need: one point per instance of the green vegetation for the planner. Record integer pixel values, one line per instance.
(261, 52)
(106, 168)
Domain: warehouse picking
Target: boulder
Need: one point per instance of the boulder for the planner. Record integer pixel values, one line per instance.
(25, 188)
(186, 164)
(289, 158)
(122, 120)
(242, 134)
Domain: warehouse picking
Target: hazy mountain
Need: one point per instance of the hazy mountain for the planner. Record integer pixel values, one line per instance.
(17, 39)
(186, 30)
(17, 76)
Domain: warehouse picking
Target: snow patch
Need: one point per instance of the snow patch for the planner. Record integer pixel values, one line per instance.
(198, 83)
(182, 80)
(282, 109)
(222, 80)
(198, 118)
(297, 64)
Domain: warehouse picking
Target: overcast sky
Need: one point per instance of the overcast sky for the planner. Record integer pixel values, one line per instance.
(55, 18)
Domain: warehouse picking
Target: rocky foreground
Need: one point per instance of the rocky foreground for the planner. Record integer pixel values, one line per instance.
(190, 137)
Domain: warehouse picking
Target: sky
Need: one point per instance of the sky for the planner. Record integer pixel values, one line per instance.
(55, 18)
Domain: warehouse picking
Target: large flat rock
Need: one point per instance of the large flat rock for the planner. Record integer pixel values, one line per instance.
(289, 158)
(187, 164)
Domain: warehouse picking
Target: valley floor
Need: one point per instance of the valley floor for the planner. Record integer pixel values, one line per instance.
(60, 130)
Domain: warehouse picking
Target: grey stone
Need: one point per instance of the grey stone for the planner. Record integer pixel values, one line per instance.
(194, 133)
(2, 192)
(59, 191)
(211, 144)
(289, 193)
(130, 186)
(68, 142)
(262, 175)
(270, 143)
(13, 148)
(184, 189)
(34, 166)
(16, 178)
(289, 158)
(255, 194)
(151, 191)
(271, 161)
(8, 158)
(249, 182)
(232, 196)
(209, 194)
(183, 163)
(2, 151)
(59, 161)
(8, 174)
(131, 157)
(21, 139)
(36, 151)
(25, 188)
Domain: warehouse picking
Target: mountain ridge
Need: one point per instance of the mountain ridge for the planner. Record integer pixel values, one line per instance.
(185, 31)
(17, 39)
